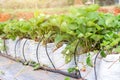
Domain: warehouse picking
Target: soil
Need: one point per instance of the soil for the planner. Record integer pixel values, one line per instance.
(4, 17)
(114, 10)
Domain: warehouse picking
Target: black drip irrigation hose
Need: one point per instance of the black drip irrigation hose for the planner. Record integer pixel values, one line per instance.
(72, 75)
(78, 73)
(0, 52)
(5, 47)
(37, 56)
(23, 50)
(48, 53)
(16, 47)
(95, 72)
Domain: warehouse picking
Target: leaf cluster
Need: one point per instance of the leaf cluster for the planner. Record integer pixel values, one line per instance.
(94, 30)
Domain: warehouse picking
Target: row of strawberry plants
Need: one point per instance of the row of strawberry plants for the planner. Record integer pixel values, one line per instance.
(83, 27)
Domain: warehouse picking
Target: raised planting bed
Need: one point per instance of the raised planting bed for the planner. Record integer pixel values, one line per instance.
(73, 44)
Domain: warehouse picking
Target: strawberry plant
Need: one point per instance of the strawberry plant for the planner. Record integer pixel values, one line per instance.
(84, 30)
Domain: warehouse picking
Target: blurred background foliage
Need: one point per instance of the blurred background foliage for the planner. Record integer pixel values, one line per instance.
(37, 3)
(22, 4)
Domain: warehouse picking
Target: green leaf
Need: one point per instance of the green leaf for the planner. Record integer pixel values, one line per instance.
(61, 37)
(58, 38)
(36, 13)
(64, 27)
(109, 22)
(98, 27)
(73, 26)
(68, 57)
(89, 61)
(67, 78)
(54, 21)
(2, 73)
(93, 16)
(25, 63)
(80, 35)
(115, 42)
(93, 7)
(90, 24)
(70, 70)
(117, 49)
(105, 43)
(102, 53)
(36, 66)
(96, 37)
(87, 34)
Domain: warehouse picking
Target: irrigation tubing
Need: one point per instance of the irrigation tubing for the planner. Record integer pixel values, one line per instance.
(72, 75)
(95, 72)
(23, 50)
(16, 47)
(48, 53)
(37, 56)
(5, 47)
(78, 73)
(0, 52)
